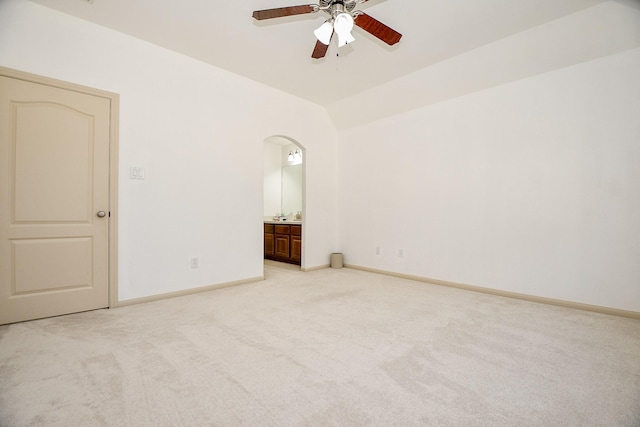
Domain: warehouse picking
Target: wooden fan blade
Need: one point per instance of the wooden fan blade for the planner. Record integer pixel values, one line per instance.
(321, 49)
(378, 29)
(279, 12)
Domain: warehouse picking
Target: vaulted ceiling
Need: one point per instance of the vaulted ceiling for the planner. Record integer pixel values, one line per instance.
(446, 46)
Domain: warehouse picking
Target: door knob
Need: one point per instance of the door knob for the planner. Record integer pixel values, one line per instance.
(101, 214)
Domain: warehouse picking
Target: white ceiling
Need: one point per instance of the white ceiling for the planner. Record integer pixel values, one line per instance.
(277, 52)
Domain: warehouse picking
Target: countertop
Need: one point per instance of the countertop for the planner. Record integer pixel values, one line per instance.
(283, 222)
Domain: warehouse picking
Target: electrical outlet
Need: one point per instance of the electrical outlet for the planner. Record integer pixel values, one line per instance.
(195, 262)
(400, 253)
(377, 250)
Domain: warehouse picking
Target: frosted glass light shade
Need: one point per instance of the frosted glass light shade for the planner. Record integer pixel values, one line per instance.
(343, 25)
(344, 39)
(324, 32)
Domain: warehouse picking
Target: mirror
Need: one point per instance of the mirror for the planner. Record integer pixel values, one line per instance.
(291, 189)
(283, 183)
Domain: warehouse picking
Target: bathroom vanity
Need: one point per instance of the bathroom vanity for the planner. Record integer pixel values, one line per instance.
(283, 241)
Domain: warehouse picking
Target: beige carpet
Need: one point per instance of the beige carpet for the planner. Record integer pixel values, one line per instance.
(329, 347)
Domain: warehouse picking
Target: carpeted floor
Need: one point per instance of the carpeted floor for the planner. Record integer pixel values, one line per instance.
(328, 347)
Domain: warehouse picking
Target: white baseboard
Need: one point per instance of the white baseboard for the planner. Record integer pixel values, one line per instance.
(525, 297)
(187, 292)
(317, 267)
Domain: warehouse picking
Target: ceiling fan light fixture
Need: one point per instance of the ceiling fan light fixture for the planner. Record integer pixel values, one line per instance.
(324, 32)
(343, 25)
(342, 18)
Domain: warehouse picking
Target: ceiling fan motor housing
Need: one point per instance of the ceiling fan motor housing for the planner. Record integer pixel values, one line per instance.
(336, 7)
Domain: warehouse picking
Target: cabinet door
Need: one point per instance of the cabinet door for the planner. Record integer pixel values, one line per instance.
(282, 246)
(296, 249)
(269, 244)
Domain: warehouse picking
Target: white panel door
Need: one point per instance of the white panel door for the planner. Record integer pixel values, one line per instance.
(54, 186)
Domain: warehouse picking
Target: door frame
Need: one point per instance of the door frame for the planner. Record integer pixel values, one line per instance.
(114, 111)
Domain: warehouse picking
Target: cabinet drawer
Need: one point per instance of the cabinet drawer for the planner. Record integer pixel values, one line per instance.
(282, 229)
(268, 228)
(296, 230)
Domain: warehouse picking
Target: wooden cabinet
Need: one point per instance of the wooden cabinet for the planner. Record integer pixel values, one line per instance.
(296, 244)
(283, 242)
(269, 241)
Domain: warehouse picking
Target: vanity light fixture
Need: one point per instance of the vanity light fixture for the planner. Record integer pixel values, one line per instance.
(294, 156)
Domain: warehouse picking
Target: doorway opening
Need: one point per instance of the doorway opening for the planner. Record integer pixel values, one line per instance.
(284, 201)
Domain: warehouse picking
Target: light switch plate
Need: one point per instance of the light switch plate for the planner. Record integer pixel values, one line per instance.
(136, 173)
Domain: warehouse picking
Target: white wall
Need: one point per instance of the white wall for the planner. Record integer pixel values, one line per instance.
(531, 187)
(272, 179)
(199, 132)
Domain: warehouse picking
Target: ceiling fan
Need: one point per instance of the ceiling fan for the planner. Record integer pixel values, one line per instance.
(342, 17)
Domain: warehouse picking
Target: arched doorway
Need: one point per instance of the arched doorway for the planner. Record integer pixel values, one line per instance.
(284, 201)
